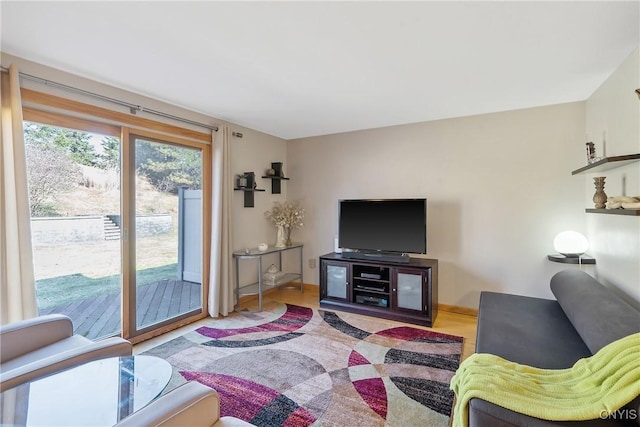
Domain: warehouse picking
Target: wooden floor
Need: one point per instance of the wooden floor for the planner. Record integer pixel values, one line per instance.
(100, 316)
(447, 322)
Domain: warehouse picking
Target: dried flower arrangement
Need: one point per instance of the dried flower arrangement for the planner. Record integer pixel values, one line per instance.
(288, 215)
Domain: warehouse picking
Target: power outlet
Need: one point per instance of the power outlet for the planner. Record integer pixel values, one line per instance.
(312, 263)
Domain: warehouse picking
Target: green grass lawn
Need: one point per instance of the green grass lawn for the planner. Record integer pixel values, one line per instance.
(63, 290)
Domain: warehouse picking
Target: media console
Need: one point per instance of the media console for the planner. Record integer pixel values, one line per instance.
(404, 291)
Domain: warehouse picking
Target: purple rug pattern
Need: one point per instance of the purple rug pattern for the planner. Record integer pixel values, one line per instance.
(295, 366)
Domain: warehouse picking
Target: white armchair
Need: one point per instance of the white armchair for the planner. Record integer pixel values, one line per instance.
(40, 346)
(191, 404)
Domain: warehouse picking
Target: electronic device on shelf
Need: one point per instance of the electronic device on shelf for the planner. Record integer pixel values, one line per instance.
(370, 276)
(371, 288)
(371, 300)
(382, 229)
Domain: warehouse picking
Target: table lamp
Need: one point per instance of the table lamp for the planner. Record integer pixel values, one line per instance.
(570, 244)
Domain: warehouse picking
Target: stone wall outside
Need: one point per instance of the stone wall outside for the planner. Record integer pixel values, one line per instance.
(78, 229)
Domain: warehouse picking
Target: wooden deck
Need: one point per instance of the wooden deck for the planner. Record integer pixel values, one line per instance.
(100, 316)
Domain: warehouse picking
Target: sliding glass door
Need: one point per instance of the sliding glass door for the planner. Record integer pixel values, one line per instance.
(120, 224)
(165, 237)
(74, 197)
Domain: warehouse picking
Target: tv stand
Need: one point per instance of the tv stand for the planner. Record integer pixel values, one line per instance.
(377, 256)
(399, 290)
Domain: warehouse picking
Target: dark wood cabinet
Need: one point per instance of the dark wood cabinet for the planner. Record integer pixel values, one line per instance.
(406, 292)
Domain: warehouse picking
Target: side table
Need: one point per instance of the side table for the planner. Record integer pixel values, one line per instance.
(98, 393)
(258, 288)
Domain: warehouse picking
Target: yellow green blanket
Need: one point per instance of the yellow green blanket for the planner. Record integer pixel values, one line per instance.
(592, 388)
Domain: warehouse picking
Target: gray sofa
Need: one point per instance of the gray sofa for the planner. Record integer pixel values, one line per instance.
(552, 334)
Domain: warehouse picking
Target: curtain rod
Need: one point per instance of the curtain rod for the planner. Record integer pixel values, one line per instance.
(133, 108)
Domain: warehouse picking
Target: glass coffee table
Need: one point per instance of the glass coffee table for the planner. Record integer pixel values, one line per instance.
(98, 393)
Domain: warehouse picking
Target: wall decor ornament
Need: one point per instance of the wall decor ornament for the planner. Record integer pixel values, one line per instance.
(623, 202)
(241, 181)
(600, 197)
(272, 275)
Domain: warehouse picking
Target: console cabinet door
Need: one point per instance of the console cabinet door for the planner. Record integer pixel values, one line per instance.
(336, 280)
(409, 291)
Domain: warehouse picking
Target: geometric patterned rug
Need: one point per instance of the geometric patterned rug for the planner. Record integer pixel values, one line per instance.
(296, 366)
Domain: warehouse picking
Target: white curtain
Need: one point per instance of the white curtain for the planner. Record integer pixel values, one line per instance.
(221, 284)
(17, 281)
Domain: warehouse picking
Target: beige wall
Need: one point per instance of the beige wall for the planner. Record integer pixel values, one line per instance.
(499, 187)
(613, 122)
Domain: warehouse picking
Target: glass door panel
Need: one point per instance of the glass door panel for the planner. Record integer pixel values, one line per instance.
(410, 291)
(168, 231)
(337, 281)
(74, 197)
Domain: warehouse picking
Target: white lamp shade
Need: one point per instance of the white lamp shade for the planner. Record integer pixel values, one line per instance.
(570, 243)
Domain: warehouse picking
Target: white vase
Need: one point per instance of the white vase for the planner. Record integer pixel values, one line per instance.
(280, 239)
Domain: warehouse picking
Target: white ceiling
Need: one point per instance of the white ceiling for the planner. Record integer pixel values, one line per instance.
(297, 69)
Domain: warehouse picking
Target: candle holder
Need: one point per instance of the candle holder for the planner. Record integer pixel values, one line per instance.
(591, 153)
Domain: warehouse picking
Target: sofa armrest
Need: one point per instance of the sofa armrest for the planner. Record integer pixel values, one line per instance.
(191, 404)
(598, 314)
(25, 336)
(33, 369)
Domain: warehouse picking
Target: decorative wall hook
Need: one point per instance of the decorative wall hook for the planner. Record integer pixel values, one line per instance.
(237, 134)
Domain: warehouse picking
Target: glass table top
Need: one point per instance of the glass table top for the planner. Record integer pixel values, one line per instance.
(98, 393)
(254, 252)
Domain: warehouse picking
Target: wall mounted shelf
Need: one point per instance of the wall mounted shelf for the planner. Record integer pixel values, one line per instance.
(276, 177)
(608, 163)
(628, 212)
(247, 182)
(275, 183)
(584, 259)
(248, 195)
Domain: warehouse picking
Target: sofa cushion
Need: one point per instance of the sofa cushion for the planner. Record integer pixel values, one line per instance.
(529, 331)
(599, 315)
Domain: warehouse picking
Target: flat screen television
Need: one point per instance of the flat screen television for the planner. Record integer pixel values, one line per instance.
(395, 226)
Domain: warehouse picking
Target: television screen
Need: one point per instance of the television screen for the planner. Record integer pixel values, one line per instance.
(387, 225)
